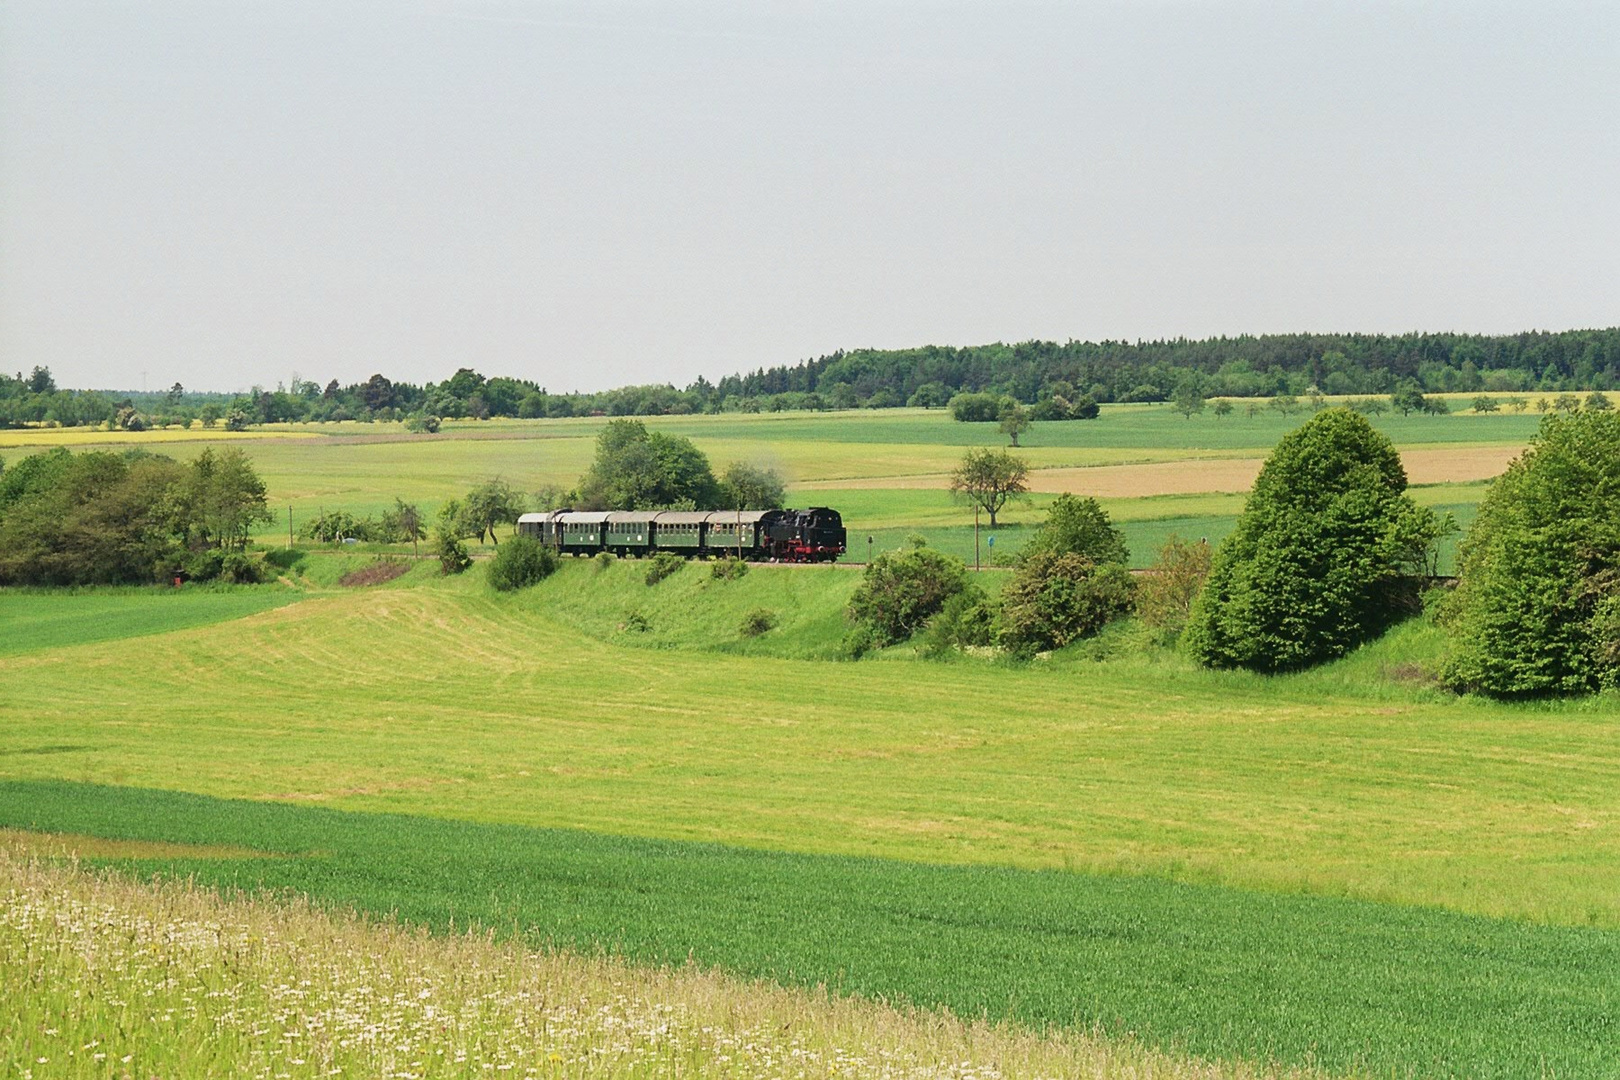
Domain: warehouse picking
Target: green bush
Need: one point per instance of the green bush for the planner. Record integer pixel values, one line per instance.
(901, 590)
(452, 553)
(284, 558)
(1079, 527)
(1057, 598)
(1329, 551)
(662, 565)
(1165, 594)
(603, 560)
(966, 621)
(757, 622)
(204, 565)
(1537, 610)
(976, 408)
(239, 568)
(728, 569)
(520, 562)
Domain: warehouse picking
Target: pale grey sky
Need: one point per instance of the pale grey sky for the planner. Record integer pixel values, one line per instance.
(596, 193)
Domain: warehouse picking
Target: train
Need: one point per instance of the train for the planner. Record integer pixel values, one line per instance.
(794, 536)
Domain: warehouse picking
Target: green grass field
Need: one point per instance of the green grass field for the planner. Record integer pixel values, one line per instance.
(43, 619)
(1345, 868)
(362, 468)
(1219, 973)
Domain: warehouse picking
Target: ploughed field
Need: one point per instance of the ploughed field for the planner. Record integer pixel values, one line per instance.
(1341, 870)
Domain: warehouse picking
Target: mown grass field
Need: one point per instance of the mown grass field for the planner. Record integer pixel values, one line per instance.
(49, 618)
(447, 700)
(1345, 868)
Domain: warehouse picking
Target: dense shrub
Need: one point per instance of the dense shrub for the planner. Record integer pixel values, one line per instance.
(1538, 608)
(757, 622)
(1165, 594)
(423, 423)
(452, 553)
(239, 568)
(520, 562)
(976, 408)
(1328, 552)
(284, 558)
(901, 590)
(728, 569)
(966, 621)
(1055, 598)
(662, 565)
(603, 560)
(1076, 526)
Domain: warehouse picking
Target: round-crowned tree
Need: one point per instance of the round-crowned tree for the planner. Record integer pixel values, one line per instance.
(1537, 610)
(1328, 552)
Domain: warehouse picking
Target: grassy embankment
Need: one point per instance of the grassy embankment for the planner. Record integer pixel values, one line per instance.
(447, 700)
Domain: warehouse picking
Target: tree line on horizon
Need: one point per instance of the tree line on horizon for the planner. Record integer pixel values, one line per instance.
(1030, 373)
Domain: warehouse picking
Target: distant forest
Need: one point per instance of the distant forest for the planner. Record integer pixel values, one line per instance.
(1032, 371)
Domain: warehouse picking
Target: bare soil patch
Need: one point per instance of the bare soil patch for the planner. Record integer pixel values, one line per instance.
(377, 573)
(1211, 476)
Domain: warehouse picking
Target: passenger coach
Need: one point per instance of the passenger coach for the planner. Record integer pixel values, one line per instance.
(813, 535)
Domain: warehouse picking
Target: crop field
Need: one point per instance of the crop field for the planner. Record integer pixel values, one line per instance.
(256, 987)
(42, 619)
(886, 471)
(1301, 979)
(1135, 865)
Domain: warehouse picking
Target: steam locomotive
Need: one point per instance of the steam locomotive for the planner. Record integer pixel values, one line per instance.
(813, 535)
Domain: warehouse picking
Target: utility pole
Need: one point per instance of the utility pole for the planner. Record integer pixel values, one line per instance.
(975, 539)
(289, 527)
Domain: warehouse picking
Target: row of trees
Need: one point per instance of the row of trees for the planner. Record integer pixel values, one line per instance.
(1058, 380)
(100, 518)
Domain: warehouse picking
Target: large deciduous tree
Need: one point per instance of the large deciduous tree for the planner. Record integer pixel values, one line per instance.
(639, 470)
(751, 487)
(101, 518)
(988, 479)
(1537, 610)
(1327, 553)
(225, 499)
